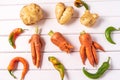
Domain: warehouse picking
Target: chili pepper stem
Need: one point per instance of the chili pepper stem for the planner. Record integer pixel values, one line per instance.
(85, 5)
(51, 33)
(80, 3)
(12, 74)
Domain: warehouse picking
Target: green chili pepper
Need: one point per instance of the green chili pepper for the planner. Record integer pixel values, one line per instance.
(13, 35)
(58, 66)
(108, 34)
(104, 67)
(80, 3)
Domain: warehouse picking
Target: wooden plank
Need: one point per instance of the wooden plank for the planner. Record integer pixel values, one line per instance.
(70, 61)
(73, 27)
(18, 2)
(49, 10)
(50, 47)
(53, 74)
(109, 13)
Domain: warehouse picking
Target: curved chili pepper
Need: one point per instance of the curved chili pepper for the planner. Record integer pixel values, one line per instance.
(104, 67)
(13, 65)
(13, 35)
(80, 3)
(108, 34)
(58, 66)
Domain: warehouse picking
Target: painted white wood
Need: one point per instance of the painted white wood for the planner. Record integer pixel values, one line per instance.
(54, 75)
(70, 61)
(12, 12)
(109, 13)
(74, 26)
(50, 47)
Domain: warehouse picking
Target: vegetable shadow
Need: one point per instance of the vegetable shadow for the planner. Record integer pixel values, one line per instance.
(42, 49)
(66, 74)
(98, 22)
(45, 16)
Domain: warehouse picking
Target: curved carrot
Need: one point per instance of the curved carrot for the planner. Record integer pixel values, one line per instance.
(58, 39)
(13, 65)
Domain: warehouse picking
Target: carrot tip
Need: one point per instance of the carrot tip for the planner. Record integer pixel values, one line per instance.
(51, 33)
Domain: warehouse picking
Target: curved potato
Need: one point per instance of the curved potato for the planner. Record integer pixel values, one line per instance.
(60, 7)
(63, 14)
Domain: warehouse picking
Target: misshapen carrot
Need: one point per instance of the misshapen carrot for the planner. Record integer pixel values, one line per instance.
(36, 46)
(13, 65)
(97, 46)
(88, 48)
(58, 39)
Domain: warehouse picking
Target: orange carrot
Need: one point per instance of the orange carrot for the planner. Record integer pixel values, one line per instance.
(90, 55)
(85, 39)
(58, 39)
(36, 45)
(97, 46)
(88, 48)
(82, 54)
(13, 65)
(94, 55)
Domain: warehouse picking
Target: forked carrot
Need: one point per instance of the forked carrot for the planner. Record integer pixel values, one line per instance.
(36, 46)
(58, 39)
(88, 48)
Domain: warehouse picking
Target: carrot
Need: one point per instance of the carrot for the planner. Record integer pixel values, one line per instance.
(90, 55)
(94, 55)
(13, 65)
(97, 46)
(58, 39)
(82, 54)
(85, 39)
(36, 46)
(88, 48)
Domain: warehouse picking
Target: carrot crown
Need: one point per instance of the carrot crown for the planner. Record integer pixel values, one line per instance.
(83, 32)
(51, 33)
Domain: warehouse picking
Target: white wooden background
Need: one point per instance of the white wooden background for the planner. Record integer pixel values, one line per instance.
(109, 12)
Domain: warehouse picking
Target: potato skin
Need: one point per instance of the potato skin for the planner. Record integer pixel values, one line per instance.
(31, 14)
(88, 19)
(63, 14)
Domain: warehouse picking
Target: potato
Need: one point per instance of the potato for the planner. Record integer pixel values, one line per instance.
(88, 19)
(63, 14)
(31, 14)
